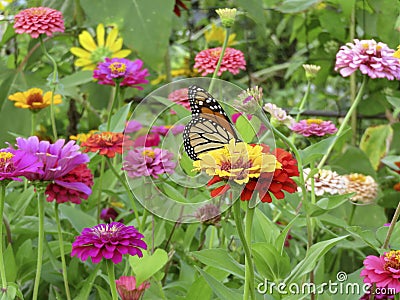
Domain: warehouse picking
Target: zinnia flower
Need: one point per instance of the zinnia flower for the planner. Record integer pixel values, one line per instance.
(14, 164)
(206, 61)
(373, 59)
(236, 161)
(278, 114)
(384, 271)
(249, 100)
(107, 143)
(180, 97)
(148, 162)
(132, 126)
(34, 99)
(122, 70)
(126, 287)
(217, 34)
(227, 16)
(365, 187)
(313, 127)
(58, 160)
(109, 214)
(163, 130)
(82, 137)
(81, 181)
(149, 140)
(326, 182)
(38, 20)
(109, 241)
(93, 53)
(311, 71)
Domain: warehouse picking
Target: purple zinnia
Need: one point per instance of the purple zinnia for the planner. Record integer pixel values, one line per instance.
(132, 126)
(163, 130)
(57, 160)
(109, 241)
(148, 162)
(125, 71)
(15, 163)
(108, 214)
(313, 127)
(373, 59)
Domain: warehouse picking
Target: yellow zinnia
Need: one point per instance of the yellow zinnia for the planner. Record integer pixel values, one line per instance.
(34, 99)
(93, 53)
(82, 137)
(217, 34)
(237, 161)
(4, 3)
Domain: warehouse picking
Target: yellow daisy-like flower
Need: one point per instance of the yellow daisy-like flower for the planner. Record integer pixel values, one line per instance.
(217, 34)
(93, 53)
(82, 137)
(397, 53)
(34, 99)
(4, 3)
(237, 161)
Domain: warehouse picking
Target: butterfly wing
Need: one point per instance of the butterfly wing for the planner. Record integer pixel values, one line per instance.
(210, 127)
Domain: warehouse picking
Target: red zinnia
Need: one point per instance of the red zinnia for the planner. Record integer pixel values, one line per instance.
(76, 185)
(107, 143)
(207, 60)
(39, 20)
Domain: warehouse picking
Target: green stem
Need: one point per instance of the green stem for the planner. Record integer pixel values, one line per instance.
(303, 101)
(61, 245)
(53, 85)
(2, 267)
(100, 187)
(111, 278)
(391, 227)
(117, 88)
(242, 236)
(40, 196)
(221, 57)
(345, 120)
(128, 191)
(353, 210)
(33, 123)
(249, 270)
(353, 83)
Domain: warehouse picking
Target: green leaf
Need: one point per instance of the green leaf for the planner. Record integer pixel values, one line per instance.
(264, 229)
(313, 255)
(317, 150)
(148, 265)
(353, 160)
(270, 263)
(365, 235)
(118, 120)
(87, 284)
(9, 264)
(219, 289)
(246, 130)
(219, 258)
(390, 161)
(374, 143)
(8, 77)
(255, 10)
(280, 241)
(76, 79)
(328, 203)
(77, 218)
(295, 6)
(173, 193)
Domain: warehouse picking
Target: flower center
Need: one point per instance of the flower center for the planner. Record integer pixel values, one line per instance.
(99, 54)
(106, 231)
(37, 11)
(216, 53)
(357, 177)
(314, 121)
(392, 260)
(117, 68)
(239, 164)
(6, 164)
(34, 98)
(149, 153)
(106, 136)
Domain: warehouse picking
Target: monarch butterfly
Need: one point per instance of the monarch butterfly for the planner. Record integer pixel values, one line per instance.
(209, 128)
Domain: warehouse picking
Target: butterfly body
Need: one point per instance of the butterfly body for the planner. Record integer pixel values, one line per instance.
(209, 128)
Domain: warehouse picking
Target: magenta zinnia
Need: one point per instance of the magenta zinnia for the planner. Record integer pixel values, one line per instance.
(15, 163)
(373, 59)
(109, 241)
(126, 286)
(39, 20)
(122, 70)
(313, 127)
(206, 61)
(148, 162)
(384, 271)
(80, 180)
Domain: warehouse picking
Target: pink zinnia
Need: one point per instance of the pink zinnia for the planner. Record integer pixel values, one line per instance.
(313, 127)
(163, 130)
(206, 61)
(384, 271)
(122, 70)
(126, 286)
(39, 20)
(180, 97)
(149, 140)
(148, 162)
(81, 178)
(373, 59)
(109, 241)
(132, 126)
(16, 163)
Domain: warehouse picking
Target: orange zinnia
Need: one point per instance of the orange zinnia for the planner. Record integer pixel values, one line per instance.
(107, 143)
